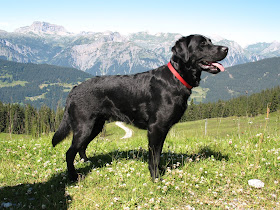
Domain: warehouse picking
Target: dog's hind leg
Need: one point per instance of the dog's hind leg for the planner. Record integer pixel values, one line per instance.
(81, 134)
(70, 156)
(98, 126)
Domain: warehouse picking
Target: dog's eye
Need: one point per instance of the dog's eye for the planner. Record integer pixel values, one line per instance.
(203, 43)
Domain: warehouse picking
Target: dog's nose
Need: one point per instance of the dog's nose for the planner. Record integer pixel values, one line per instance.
(225, 49)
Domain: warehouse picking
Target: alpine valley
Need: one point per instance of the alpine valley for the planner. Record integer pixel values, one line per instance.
(109, 53)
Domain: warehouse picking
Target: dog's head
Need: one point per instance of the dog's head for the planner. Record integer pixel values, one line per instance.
(198, 52)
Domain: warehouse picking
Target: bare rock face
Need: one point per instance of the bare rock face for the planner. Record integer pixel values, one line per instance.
(102, 53)
(42, 28)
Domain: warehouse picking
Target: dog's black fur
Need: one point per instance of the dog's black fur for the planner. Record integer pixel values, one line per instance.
(154, 100)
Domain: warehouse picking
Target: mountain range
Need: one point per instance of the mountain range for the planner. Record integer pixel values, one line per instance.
(103, 53)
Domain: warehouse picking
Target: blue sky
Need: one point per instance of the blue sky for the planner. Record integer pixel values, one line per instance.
(240, 20)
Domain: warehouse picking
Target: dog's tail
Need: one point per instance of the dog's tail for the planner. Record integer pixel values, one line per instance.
(63, 130)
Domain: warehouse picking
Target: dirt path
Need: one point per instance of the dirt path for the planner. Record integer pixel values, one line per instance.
(128, 131)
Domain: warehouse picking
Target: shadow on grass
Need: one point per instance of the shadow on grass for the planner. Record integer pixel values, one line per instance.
(168, 159)
(45, 195)
(52, 194)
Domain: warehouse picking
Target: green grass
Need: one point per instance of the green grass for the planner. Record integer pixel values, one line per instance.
(34, 98)
(12, 84)
(67, 87)
(202, 171)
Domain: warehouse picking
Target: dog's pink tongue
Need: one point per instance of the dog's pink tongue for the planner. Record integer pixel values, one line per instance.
(219, 66)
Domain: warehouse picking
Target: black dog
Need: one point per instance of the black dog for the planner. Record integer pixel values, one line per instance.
(153, 100)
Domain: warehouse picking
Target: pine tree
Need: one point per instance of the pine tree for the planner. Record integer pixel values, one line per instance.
(191, 111)
(58, 116)
(17, 117)
(274, 102)
(45, 115)
(30, 119)
(3, 117)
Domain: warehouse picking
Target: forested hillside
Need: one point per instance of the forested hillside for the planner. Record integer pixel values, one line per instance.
(37, 84)
(29, 120)
(242, 79)
(245, 105)
(18, 119)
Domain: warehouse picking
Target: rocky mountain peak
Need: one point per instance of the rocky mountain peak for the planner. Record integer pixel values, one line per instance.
(41, 28)
(274, 47)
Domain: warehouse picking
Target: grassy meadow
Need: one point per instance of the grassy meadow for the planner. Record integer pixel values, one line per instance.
(203, 170)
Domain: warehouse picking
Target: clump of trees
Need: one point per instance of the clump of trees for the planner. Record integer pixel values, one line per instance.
(18, 119)
(252, 105)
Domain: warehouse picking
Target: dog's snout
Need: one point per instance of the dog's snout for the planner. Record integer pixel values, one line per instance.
(224, 49)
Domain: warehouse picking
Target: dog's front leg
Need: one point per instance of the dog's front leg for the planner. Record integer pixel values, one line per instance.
(156, 136)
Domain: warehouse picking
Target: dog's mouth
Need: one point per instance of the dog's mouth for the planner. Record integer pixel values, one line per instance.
(211, 67)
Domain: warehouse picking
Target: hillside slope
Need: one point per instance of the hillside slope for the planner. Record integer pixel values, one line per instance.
(242, 79)
(37, 84)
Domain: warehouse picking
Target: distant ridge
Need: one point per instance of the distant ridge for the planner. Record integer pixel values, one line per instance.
(107, 53)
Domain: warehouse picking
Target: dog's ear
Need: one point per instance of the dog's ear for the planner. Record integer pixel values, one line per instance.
(180, 49)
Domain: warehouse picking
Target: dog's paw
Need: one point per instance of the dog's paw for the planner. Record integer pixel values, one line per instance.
(77, 177)
(73, 177)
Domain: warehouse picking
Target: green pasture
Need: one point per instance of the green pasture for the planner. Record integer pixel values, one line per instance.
(207, 166)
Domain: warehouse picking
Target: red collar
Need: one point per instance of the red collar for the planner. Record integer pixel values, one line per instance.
(176, 74)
